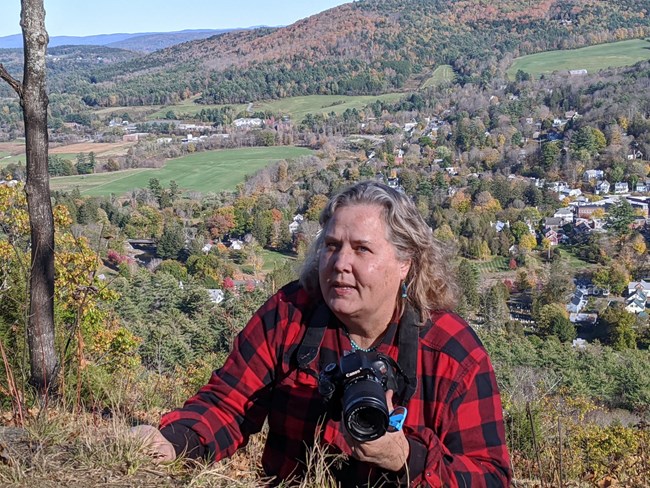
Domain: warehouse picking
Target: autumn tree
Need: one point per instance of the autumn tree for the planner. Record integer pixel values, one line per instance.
(34, 102)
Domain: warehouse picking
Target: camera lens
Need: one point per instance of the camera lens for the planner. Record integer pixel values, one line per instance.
(365, 411)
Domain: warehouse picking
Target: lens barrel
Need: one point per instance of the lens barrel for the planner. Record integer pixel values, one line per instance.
(365, 411)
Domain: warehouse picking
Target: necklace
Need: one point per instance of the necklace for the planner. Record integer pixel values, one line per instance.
(357, 347)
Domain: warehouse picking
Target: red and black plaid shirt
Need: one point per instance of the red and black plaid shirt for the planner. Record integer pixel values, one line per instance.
(454, 424)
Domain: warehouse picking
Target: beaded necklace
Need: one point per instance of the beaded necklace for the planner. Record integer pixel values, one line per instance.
(357, 347)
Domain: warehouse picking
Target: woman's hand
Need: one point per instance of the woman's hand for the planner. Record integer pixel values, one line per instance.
(389, 452)
(154, 443)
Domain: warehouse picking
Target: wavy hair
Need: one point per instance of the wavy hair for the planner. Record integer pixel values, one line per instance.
(430, 282)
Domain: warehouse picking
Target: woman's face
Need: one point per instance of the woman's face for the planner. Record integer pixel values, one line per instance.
(359, 272)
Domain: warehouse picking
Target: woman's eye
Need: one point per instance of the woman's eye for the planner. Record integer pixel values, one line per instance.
(363, 249)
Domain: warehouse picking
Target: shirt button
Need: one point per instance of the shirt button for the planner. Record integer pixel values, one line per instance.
(428, 473)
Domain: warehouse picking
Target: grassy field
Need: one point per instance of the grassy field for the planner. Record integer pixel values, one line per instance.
(442, 74)
(592, 58)
(273, 259)
(295, 107)
(209, 171)
(498, 263)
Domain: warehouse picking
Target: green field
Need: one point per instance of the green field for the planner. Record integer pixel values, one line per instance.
(592, 58)
(209, 171)
(295, 107)
(274, 259)
(495, 265)
(442, 74)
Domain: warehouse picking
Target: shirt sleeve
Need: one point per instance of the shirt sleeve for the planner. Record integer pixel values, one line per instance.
(219, 419)
(470, 447)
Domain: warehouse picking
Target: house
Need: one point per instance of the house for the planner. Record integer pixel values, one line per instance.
(578, 343)
(621, 187)
(557, 186)
(553, 223)
(583, 318)
(499, 226)
(570, 192)
(593, 174)
(578, 302)
(602, 187)
(216, 295)
(552, 236)
(295, 224)
(577, 72)
(634, 154)
(247, 122)
(565, 214)
(586, 211)
(135, 137)
(640, 205)
(637, 302)
(641, 187)
(634, 286)
(581, 229)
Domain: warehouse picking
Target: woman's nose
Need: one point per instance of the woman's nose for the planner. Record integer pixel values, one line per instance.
(342, 260)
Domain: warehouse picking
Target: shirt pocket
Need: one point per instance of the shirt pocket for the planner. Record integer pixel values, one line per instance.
(296, 406)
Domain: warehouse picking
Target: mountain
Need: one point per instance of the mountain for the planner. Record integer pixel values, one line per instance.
(364, 47)
(141, 42)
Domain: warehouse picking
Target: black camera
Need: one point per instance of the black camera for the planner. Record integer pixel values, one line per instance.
(360, 381)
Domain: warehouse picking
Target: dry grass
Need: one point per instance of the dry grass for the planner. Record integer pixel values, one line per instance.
(58, 448)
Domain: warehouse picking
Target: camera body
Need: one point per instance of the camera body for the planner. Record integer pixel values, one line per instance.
(358, 385)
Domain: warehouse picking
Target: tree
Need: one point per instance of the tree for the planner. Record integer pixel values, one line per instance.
(619, 218)
(171, 242)
(552, 319)
(34, 102)
(468, 279)
(619, 324)
(494, 306)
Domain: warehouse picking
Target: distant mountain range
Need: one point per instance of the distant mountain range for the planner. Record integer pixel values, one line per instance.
(145, 42)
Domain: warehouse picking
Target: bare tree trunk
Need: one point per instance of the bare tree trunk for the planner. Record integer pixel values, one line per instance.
(34, 102)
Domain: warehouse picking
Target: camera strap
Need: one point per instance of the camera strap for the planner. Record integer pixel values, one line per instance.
(409, 336)
(313, 337)
(407, 342)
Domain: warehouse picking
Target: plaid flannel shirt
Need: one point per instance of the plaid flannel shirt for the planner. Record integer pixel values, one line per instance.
(454, 424)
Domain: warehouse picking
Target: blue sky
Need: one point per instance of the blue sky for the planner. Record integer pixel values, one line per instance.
(90, 17)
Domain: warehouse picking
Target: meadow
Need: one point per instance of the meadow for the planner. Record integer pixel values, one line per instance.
(442, 74)
(591, 58)
(294, 107)
(209, 171)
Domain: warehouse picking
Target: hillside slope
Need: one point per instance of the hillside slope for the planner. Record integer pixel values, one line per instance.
(365, 47)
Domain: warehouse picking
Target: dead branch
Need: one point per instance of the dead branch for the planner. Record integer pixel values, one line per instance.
(13, 82)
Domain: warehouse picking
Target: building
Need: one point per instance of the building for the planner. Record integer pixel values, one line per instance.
(621, 187)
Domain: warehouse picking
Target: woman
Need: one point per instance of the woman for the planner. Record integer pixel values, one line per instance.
(375, 280)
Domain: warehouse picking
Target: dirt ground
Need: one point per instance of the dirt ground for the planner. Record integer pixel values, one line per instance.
(98, 148)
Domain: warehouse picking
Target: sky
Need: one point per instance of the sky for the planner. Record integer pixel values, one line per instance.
(92, 17)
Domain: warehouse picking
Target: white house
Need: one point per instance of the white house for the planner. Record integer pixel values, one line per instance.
(577, 303)
(637, 302)
(621, 187)
(634, 286)
(216, 295)
(602, 187)
(247, 122)
(295, 224)
(593, 174)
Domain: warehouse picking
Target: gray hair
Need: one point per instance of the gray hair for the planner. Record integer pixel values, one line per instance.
(430, 283)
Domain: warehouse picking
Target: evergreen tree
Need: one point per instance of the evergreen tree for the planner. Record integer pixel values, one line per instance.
(171, 242)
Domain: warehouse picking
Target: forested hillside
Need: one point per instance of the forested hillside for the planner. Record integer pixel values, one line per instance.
(365, 47)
